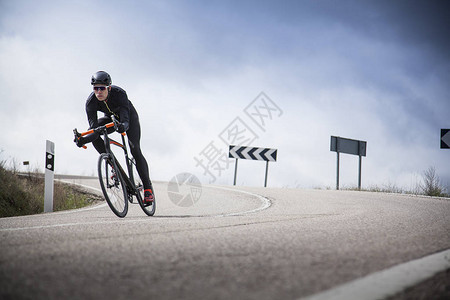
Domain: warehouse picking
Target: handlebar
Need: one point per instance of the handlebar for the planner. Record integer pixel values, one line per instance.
(99, 129)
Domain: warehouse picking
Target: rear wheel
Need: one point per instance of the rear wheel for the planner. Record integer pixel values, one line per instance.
(148, 209)
(113, 186)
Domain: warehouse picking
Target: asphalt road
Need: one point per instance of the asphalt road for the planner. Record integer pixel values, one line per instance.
(234, 243)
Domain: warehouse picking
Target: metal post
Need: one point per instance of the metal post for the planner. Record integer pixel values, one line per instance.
(267, 170)
(235, 171)
(337, 172)
(49, 176)
(359, 176)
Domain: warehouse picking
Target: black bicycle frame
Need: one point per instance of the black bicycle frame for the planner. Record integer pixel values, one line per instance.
(129, 179)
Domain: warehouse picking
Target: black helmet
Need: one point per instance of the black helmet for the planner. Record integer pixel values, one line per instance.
(101, 77)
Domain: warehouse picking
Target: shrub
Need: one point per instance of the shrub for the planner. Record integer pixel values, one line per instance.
(431, 185)
(24, 195)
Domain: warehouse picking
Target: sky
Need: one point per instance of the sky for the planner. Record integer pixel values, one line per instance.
(285, 75)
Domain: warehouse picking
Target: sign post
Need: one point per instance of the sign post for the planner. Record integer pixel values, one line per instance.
(445, 138)
(49, 176)
(267, 171)
(252, 153)
(349, 146)
(337, 171)
(235, 172)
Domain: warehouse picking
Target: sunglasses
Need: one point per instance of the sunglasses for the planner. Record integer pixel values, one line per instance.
(99, 88)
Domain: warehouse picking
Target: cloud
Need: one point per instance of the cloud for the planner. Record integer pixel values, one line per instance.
(372, 71)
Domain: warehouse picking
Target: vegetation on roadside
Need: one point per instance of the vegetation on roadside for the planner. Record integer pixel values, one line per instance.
(430, 185)
(24, 195)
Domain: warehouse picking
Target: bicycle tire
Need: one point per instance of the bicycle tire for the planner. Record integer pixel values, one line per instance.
(113, 186)
(148, 209)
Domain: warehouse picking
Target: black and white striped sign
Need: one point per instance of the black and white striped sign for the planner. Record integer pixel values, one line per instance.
(253, 153)
(445, 138)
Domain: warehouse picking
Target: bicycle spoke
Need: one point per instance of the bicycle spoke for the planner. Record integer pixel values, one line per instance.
(112, 186)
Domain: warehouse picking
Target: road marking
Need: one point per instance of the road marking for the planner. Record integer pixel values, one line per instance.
(265, 203)
(388, 282)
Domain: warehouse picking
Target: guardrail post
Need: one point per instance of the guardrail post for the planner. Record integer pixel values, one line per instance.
(49, 176)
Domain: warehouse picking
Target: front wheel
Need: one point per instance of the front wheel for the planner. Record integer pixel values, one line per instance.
(113, 186)
(148, 209)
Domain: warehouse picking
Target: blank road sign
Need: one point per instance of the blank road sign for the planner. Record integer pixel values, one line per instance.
(348, 146)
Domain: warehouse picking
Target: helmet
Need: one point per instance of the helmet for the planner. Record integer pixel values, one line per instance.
(101, 77)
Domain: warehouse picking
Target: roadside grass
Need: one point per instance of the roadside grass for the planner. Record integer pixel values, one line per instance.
(389, 188)
(385, 188)
(430, 185)
(24, 195)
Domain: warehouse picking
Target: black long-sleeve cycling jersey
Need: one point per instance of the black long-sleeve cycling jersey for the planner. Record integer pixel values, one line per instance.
(117, 103)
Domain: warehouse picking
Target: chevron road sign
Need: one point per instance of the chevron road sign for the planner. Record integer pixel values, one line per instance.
(445, 138)
(253, 153)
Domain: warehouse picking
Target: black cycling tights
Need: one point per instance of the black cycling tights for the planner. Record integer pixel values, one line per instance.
(134, 141)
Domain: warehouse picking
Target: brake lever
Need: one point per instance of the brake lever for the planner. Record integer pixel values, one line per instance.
(76, 133)
(77, 136)
(116, 123)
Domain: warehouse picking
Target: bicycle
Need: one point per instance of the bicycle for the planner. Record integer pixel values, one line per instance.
(118, 187)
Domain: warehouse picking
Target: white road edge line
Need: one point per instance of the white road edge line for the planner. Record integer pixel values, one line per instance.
(388, 282)
(266, 203)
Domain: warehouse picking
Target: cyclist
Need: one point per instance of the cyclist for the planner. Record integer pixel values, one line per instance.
(113, 100)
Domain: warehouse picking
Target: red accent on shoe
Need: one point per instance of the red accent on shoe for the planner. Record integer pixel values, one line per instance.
(148, 196)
